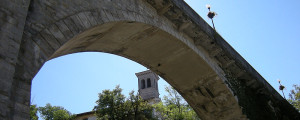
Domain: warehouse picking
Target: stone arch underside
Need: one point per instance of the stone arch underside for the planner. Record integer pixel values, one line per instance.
(142, 31)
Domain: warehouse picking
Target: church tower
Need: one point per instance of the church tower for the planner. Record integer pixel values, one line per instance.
(148, 88)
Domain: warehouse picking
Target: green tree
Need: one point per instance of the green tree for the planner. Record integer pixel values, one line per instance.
(295, 97)
(175, 107)
(112, 105)
(55, 113)
(33, 112)
(174, 102)
(138, 109)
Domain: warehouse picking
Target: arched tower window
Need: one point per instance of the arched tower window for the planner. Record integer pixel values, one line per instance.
(143, 84)
(148, 82)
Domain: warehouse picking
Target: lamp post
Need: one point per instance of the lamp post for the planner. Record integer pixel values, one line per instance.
(281, 87)
(211, 15)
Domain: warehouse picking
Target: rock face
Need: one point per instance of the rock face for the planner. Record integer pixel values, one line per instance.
(166, 36)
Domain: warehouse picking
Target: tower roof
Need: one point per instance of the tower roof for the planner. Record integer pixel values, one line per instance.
(147, 72)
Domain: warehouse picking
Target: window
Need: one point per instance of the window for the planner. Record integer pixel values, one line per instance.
(143, 84)
(148, 83)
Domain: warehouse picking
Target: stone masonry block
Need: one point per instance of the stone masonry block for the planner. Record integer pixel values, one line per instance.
(7, 70)
(120, 14)
(127, 16)
(115, 14)
(43, 45)
(103, 16)
(96, 16)
(91, 18)
(49, 38)
(24, 85)
(55, 31)
(21, 112)
(72, 25)
(22, 96)
(4, 110)
(84, 20)
(75, 19)
(9, 49)
(5, 87)
(4, 99)
(64, 29)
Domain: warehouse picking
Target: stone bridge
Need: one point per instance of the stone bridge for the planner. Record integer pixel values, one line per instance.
(166, 36)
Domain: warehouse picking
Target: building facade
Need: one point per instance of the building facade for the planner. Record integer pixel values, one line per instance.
(148, 86)
(86, 116)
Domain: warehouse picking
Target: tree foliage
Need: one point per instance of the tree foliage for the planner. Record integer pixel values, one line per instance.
(294, 97)
(112, 105)
(55, 113)
(33, 112)
(175, 107)
(138, 108)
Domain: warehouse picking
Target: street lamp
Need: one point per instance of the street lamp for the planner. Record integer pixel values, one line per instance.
(211, 15)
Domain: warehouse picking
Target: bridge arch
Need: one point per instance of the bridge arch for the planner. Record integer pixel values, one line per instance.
(146, 38)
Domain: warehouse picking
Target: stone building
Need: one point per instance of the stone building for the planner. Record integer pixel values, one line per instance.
(86, 116)
(147, 88)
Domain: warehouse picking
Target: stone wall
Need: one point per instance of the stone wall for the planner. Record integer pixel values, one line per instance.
(12, 20)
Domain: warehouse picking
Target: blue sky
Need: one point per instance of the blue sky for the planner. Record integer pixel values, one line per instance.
(265, 33)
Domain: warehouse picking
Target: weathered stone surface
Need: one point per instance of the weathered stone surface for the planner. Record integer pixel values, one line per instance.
(12, 20)
(166, 36)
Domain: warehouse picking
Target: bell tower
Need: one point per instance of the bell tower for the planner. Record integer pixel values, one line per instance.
(148, 88)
